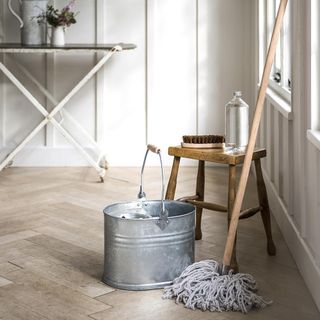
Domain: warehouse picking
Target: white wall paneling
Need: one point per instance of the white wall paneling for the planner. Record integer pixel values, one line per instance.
(50, 85)
(277, 152)
(101, 76)
(125, 103)
(293, 168)
(172, 70)
(315, 65)
(286, 146)
(225, 64)
(2, 110)
(312, 228)
(269, 139)
(125, 107)
(191, 55)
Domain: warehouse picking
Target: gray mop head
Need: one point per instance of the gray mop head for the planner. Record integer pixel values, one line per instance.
(200, 286)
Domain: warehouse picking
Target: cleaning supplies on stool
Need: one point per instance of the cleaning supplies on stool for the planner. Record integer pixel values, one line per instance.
(203, 141)
(237, 123)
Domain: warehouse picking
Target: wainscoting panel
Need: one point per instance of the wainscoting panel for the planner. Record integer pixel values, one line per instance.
(190, 57)
(172, 77)
(292, 167)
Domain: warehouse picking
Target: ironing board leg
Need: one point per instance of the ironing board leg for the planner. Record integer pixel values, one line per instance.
(63, 113)
(49, 117)
(30, 136)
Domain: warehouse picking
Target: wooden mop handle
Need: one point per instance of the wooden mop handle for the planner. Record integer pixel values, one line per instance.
(253, 135)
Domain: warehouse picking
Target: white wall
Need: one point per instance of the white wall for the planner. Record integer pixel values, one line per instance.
(190, 57)
(292, 166)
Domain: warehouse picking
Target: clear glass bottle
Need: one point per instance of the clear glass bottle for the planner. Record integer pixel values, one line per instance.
(237, 123)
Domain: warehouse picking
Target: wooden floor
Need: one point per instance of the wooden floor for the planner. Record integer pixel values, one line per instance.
(51, 249)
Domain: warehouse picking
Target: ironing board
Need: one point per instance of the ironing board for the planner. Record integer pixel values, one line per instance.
(105, 50)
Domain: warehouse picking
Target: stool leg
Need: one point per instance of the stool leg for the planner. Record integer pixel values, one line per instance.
(200, 194)
(172, 184)
(231, 197)
(265, 213)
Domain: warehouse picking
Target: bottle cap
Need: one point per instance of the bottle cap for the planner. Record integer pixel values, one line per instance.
(237, 94)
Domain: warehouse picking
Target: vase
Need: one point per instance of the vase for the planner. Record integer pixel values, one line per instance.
(57, 37)
(32, 33)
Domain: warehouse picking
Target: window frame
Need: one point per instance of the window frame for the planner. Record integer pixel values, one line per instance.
(283, 60)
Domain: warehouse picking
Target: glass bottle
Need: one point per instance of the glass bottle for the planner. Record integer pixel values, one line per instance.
(237, 123)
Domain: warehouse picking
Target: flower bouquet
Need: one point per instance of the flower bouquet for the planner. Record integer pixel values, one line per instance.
(59, 20)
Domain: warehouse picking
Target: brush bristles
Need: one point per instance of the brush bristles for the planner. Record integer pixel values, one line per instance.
(204, 139)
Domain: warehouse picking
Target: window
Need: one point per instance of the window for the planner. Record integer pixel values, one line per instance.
(280, 80)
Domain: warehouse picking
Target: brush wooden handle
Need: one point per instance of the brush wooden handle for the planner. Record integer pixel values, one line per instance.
(253, 135)
(153, 148)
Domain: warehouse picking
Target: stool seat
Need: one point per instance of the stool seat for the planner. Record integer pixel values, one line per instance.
(232, 160)
(214, 155)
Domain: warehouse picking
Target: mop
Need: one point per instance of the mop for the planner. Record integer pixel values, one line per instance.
(207, 285)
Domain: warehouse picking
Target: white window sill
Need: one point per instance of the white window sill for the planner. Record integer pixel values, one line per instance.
(280, 103)
(280, 91)
(314, 137)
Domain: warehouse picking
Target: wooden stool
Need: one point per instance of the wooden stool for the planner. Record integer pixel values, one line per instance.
(232, 160)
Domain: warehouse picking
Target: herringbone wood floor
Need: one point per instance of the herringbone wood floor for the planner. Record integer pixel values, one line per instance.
(51, 248)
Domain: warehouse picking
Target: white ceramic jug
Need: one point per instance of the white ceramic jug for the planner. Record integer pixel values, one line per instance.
(32, 33)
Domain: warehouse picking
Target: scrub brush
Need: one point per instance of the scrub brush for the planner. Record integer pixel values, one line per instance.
(203, 141)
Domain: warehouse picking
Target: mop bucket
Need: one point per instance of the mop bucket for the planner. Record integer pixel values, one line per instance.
(148, 243)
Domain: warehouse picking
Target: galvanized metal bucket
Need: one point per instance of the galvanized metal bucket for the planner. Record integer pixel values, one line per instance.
(147, 243)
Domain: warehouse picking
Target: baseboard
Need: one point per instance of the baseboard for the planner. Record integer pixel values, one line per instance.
(47, 157)
(302, 255)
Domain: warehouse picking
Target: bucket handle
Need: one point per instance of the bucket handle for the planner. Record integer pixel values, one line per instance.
(163, 220)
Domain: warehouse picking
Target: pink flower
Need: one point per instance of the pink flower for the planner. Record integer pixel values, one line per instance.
(69, 6)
